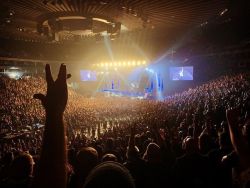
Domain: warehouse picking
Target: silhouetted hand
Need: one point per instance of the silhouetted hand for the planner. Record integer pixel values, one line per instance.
(57, 93)
(54, 102)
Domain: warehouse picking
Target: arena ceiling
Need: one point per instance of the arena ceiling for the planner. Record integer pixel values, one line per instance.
(21, 17)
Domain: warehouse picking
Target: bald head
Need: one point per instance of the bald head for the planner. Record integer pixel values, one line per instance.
(86, 160)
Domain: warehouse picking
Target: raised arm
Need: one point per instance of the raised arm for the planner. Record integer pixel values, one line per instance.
(52, 165)
(159, 136)
(131, 143)
(237, 139)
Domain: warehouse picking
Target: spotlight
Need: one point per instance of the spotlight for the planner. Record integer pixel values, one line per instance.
(124, 63)
(7, 20)
(110, 64)
(119, 63)
(11, 13)
(115, 64)
(102, 64)
(133, 63)
(106, 64)
(138, 62)
(129, 63)
(144, 62)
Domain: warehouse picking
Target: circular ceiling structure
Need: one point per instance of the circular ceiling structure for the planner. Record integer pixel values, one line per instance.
(29, 18)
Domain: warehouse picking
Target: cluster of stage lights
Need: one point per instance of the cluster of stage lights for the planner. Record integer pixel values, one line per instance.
(121, 64)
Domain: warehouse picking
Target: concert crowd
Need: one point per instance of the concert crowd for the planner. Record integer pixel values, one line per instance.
(197, 138)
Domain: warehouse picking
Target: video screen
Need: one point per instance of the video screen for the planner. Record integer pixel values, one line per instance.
(181, 73)
(87, 75)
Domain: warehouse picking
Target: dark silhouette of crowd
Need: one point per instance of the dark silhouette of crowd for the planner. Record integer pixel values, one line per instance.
(197, 138)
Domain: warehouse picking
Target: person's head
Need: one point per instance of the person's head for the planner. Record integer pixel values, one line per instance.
(109, 144)
(188, 145)
(153, 153)
(109, 157)
(109, 174)
(86, 160)
(22, 166)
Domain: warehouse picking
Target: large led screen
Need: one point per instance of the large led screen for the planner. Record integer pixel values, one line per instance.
(87, 75)
(181, 73)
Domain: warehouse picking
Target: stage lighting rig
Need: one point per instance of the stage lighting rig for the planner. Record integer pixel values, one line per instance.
(116, 64)
(6, 15)
(57, 28)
